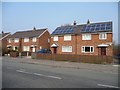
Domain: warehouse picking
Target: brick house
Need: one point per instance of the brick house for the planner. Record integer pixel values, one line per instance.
(3, 42)
(30, 40)
(84, 39)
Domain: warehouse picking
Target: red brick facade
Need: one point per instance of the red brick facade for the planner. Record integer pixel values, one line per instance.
(41, 42)
(77, 43)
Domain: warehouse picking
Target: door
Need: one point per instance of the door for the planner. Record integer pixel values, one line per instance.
(103, 51)
(54, 50)
(33, 49)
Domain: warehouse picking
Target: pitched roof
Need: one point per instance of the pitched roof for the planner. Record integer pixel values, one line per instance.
(83, 28)
(3, 35)
(28, 33)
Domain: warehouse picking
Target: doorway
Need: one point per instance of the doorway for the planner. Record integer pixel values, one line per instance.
(103, 50)
(55, 50)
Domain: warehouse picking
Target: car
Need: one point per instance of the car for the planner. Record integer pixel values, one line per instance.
(43, 51)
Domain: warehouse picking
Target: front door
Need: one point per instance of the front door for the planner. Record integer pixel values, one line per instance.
(103, 51)
(55, 50)
(33, 49)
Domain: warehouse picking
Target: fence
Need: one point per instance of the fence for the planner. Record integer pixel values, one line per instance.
(75, 58)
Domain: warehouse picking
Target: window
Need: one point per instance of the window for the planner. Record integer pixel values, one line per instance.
(89, 49)
(86, 36)
(55, 38)
(102, 36)
(9, 40)
(34, 39)
(26, 48)
(66, 48)
(16, 40)
(67, 38)
(48, 40)
(26, 39)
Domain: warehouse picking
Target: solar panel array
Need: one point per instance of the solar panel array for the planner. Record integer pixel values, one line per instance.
(64, 30)
(97, 27)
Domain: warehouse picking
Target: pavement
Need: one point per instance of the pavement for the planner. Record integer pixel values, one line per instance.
(110, 68)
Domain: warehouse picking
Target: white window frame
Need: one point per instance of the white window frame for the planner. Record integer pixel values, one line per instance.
(102, 34)
(85, 36)
(26, 48)
(34, 39)
(67, 37)
(55, 38)
(26, 39)
(83, 49)
(48, 40)
(65, 50)
(16, 40)
(9, 40)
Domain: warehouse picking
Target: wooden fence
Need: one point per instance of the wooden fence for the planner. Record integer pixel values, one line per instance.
(75, 58)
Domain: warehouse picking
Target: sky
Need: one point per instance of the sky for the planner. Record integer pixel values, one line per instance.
(19, 16)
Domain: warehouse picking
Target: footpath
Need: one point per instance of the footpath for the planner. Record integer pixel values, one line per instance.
(111, 68)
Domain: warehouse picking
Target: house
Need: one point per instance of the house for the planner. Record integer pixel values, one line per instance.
(3, 42)
(84, 39)
(30, 40)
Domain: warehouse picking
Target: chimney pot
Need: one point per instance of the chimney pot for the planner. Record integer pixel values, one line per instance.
(34, 28)
(74, 23)
(88, 22)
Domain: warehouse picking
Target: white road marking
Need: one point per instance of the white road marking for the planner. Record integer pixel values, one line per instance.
(38, 74)
(115, 65)
(21, 71)
(107, 86)
(47, 76)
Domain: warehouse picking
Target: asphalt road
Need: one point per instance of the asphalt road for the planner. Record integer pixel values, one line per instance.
(24, 75)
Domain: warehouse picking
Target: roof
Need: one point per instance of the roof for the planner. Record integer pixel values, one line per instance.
(83, 28)
(28, 33)
(3, 35)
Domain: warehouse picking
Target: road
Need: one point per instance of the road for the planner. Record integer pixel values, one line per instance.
(24, 75)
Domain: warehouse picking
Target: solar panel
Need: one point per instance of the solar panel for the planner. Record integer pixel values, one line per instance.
(97, 27)
(64, 30)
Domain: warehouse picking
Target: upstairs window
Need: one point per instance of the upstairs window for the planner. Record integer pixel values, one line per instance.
(34, 39)
(86, 36)
(26, 39)
(102, 36)
(67, 38)
(55, 38)
(16, 40)
(9, 40)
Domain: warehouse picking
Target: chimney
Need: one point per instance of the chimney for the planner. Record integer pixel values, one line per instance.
(34, 29)
(88, 22)
(2, 32)
(74, 23)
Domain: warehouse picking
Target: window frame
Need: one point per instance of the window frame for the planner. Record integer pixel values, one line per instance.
(91, 48)
(101, 38)
(67, 37)
(16, 40)
(26, 39)
(55, 38)
(68, 51)
(84, 37)
(26, 49)
(34, 39)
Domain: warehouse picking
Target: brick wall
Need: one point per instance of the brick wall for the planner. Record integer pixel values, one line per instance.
(41, 41)
(77, 43)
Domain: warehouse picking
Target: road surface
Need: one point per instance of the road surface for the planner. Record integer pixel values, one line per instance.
(24, 75)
